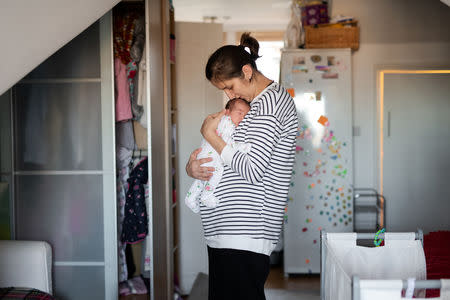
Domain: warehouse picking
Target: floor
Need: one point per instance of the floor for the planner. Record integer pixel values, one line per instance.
(275, 281)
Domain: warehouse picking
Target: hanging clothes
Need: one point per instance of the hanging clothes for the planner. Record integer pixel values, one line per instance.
(122, 92)
(140, 89)
(135, 225)
(123, 159)
(148, 241)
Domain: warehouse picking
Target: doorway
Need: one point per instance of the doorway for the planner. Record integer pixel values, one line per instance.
(414, 137)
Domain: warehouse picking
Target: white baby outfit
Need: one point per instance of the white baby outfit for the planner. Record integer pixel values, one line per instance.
(202, 192)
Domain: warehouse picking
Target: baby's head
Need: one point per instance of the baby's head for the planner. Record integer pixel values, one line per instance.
(237, 108)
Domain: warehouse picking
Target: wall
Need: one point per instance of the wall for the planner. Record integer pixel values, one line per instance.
(31, 31)
(196, 98)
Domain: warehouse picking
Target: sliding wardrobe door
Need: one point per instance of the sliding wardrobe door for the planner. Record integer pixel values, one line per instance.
(64, 163)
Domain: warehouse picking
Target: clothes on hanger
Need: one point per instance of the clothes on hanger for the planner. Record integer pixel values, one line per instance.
(135, 224)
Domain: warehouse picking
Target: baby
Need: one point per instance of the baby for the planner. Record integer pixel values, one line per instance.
(203, 191)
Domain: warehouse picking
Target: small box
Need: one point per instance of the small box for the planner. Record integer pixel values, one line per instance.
(314, 14)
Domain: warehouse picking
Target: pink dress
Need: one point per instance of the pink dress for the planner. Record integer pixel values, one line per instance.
(123, 102)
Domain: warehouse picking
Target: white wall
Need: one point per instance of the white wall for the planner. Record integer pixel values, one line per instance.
(196, 98)
(31, 31)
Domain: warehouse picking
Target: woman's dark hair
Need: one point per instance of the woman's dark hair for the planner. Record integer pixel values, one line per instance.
(227, 61)
(230, 104)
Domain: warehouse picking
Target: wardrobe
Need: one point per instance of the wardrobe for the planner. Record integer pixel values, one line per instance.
(58, 159)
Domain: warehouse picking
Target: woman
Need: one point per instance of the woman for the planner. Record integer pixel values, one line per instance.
(243, 229)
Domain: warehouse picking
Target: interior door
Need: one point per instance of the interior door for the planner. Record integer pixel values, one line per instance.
(64, 167)
(416, 151)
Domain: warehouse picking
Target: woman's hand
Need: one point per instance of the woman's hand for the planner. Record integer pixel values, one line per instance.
(194, 168)
(210, 124)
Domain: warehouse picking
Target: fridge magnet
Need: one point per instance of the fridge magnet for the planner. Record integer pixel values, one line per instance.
(307, 261)
(298, 148)
(291, 92)
(288, 78)
(304, 229)
(308, 220)
(319, 228)
(329, 75)
(299, 60)
(315, 242)
(318, 96)
(322, 68)
(316, 58)
(299, 68)
(322, 120)
(331, 60)
(305, 164)
(321, 212)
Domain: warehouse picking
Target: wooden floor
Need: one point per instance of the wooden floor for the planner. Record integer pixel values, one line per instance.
(276, 280)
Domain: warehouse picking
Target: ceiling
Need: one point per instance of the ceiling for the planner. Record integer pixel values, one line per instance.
(275, 13)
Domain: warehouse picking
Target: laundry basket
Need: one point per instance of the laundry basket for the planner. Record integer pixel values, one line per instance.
(401, 258)
(392, 289)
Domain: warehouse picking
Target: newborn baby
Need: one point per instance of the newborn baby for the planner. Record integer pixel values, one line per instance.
(202, 192)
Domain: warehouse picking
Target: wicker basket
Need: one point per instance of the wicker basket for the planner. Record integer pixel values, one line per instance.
(332, 37)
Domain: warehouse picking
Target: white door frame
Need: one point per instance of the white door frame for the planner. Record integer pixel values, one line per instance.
(381, 70)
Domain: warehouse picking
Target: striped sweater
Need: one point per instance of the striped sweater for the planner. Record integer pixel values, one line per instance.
(253, 191)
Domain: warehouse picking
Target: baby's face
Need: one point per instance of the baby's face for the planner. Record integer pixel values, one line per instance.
(238, 112)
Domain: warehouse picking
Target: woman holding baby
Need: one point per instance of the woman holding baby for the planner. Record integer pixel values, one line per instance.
(244, 227)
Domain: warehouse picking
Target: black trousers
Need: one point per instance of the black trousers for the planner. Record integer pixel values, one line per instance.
(237, 274)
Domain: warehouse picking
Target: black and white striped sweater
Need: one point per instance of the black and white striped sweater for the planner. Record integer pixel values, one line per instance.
(253, 191)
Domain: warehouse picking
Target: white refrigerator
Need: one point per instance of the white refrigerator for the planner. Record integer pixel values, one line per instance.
(321, 191)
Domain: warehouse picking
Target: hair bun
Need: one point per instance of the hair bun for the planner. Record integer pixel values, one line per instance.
(251, 43)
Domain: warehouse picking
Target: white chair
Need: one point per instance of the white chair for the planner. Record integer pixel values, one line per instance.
(26, 264)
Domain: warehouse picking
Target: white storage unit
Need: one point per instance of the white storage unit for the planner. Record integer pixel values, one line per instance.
(321, 190)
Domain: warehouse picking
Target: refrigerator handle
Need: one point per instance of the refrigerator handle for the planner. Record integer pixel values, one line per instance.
(389, 124)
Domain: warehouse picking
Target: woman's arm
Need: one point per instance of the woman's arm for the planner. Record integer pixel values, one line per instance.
(208, 131)
(194, 166)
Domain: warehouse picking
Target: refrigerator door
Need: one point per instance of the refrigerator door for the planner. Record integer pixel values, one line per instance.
(321, 191)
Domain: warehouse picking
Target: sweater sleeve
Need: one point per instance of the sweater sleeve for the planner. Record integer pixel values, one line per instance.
(262, 134)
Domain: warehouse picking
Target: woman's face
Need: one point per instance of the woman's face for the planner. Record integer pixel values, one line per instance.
(235, 88)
